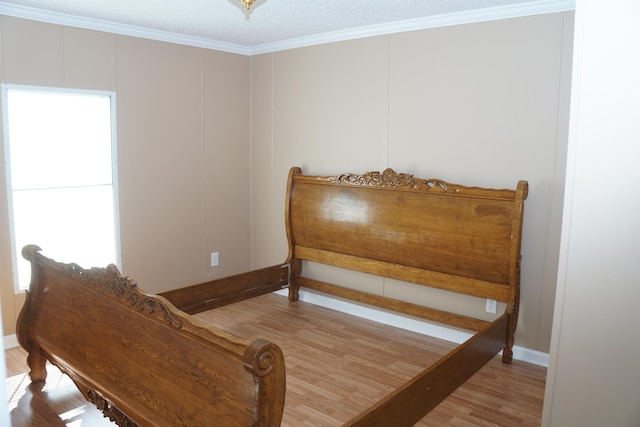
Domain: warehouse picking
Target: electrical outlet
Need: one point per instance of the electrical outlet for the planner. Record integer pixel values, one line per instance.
(215, 259)
(492, 306)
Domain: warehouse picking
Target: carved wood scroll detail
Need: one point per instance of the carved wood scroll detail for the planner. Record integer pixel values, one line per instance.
(109, 281)
(392, 179)
(109, 411)
(260, 356)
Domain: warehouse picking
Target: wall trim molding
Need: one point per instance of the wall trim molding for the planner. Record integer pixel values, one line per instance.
(34, 14)
(482, 15)
(445, 20)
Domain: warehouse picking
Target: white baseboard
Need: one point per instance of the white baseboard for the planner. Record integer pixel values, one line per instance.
(10, 341)
(420, 326)
(534, 357)
(388, 318)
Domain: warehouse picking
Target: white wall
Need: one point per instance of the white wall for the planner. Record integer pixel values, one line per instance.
(594, 372)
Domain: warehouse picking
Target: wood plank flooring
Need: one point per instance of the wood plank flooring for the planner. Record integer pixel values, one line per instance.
(337, 366)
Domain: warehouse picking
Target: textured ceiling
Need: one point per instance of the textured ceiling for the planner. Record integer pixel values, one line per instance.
(269, 22)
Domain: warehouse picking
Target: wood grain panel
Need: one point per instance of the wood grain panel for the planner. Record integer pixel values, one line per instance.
(468, 286)
(132, 345)
(465, 236)
(136, 357)
(216, 293)
(395, 305)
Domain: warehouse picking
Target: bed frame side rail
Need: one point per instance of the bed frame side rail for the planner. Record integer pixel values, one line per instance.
(217, 293)
(420, 311)
(410, 403)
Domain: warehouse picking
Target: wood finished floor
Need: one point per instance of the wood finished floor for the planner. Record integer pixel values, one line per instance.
(337, 366)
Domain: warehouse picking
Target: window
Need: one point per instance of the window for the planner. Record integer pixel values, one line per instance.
(61, 169)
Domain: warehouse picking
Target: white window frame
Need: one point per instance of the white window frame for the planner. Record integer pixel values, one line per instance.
(15, 251)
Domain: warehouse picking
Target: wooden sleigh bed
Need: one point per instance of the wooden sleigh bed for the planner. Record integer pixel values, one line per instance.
(149, 360)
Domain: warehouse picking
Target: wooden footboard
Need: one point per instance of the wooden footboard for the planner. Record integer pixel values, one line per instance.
(138, 358)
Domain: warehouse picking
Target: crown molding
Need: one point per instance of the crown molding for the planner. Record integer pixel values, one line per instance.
(459, 18)
(25, 12)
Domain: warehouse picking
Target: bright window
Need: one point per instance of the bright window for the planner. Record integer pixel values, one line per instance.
(61, 169)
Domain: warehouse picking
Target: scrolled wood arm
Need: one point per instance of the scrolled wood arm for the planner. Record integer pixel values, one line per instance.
(265, 361)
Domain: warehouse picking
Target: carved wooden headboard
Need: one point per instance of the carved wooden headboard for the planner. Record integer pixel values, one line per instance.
(423, 231)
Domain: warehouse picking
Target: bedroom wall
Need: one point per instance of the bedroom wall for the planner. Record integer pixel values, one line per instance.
(183, 147)
(594, 375)
(479, 104)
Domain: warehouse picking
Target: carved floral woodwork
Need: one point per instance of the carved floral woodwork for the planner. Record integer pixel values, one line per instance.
(110, 282)
(392, 179)
(108, 410)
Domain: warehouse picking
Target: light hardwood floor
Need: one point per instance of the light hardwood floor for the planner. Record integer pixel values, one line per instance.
(337, 365)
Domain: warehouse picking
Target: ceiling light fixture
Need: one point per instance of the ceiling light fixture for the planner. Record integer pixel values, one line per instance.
(247, 4)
